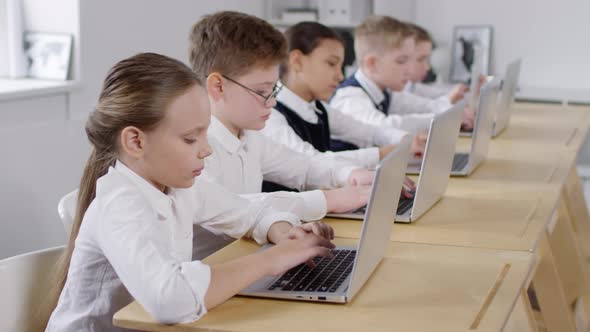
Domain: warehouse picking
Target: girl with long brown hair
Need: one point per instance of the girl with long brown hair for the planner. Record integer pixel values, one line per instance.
(138, 200)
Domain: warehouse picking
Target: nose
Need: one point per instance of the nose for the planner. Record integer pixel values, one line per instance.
(272, 102)
(340, 76)
(205, 151)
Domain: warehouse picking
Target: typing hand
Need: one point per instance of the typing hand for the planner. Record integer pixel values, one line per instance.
(360, 177)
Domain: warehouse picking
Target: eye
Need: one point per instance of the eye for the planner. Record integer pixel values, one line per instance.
(331, 63)
(190, 140)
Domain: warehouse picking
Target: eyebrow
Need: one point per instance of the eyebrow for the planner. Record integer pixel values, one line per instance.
(196, 129)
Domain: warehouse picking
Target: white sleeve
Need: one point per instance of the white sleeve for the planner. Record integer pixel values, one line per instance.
(221, 211)
(405, 102)
(296, 170)
(346, 128)
(307, 205)
(279, 130)
(130, 236)
(355, 103)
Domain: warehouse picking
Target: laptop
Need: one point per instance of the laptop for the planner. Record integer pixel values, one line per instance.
(465, 163)
(339, 279)
(508, 91)
(474, 91)
(435, 167)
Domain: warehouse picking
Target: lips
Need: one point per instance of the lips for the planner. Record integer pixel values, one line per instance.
(198, 171)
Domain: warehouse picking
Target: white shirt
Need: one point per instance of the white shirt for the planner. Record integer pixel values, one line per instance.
(342, 127)
(241, 164)
(405, 102)
(135, 243)
(360, 105)
(428, 90)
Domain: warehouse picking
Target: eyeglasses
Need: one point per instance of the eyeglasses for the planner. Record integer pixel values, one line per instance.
(275, 90)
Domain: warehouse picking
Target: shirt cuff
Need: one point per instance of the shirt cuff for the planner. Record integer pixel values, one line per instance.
(198, 276)
(260, 233)
(315, 205)
(388, 135)
(445, 104)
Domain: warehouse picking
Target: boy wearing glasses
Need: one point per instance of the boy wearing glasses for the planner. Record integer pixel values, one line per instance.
(240, 56)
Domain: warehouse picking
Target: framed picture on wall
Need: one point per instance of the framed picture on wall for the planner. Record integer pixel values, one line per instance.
(48, 55)
(465, 39)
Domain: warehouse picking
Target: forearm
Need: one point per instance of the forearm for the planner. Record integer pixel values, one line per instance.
(228, 278)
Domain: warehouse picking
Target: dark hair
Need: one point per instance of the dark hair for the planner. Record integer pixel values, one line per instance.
(305, 37)
(136, 92)
(231, 43)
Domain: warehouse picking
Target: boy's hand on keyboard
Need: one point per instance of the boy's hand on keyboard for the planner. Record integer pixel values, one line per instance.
(467, 119)
(288, 254)
(361, 176)
(457, 93)
(409, 188)
(419, 144)
(347, 198)
(317, 227)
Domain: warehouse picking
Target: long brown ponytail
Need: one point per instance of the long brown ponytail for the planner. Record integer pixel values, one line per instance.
(136, 92)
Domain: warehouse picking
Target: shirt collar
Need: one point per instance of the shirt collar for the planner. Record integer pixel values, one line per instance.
(157, 199)
(376, 94)
(225, 137)
(307, 111)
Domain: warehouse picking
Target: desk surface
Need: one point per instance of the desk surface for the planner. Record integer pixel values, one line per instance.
(469, 282)
(415, 288)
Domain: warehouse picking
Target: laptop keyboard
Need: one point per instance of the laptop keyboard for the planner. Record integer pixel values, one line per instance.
(404, 205)
(326, 276)
(460, 161)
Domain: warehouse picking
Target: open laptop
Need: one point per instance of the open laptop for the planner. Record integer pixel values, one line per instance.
(435, 167)
(465, 163)
(338, 279)
(474, 91)
(508, 91)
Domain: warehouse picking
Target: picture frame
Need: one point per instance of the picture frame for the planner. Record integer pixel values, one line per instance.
(464, 39)
(47, 55)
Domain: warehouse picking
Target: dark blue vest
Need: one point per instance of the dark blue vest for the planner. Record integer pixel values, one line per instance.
(383, 106)
(316, 134)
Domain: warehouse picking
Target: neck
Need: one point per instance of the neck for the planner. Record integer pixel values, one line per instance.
(373, 78)
(235, 130)
(139, 168)
(298, 87)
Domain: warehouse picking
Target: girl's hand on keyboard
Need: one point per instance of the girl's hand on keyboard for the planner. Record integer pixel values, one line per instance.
(290, 253)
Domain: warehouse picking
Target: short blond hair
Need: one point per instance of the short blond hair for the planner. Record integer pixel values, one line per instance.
(378, 34)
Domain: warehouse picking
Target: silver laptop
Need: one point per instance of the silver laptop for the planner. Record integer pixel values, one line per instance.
(474, 92)
(435, 167)
(465, 163)
(508, 91)
(338, 279)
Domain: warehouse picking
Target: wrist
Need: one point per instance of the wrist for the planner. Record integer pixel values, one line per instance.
(278, 231)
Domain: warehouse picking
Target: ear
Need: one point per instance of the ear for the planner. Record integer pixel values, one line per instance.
(215, 86)
(132, 141)
(296, 60)
(370, 61)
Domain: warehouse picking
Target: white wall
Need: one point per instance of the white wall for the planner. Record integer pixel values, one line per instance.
(42, 144)
(550, 36)
(43, 16)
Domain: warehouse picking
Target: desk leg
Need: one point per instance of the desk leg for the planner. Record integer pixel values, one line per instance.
(555, 308)
(576, 206)
(568, 255)
(521, 318)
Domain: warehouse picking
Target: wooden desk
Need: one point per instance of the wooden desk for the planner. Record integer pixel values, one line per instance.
(525, 199)
(415, 288)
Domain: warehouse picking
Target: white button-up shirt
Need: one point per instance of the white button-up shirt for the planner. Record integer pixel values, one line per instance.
(410, 102)
(357, 103)
(430, 90)
(342, 127)
(241, 164)
(135, 242)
